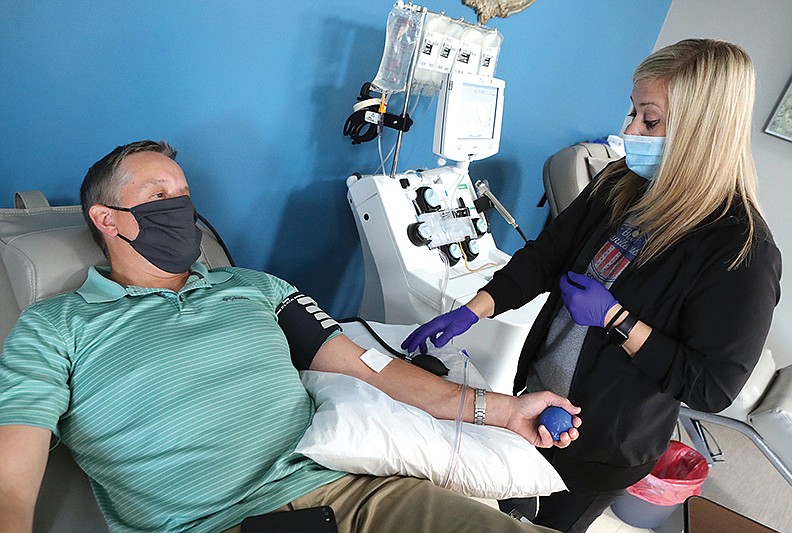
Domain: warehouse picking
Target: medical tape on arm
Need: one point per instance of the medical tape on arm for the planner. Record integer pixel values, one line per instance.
(375, 359)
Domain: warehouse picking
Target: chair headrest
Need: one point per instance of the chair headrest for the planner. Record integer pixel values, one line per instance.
(47, 250)
(567, 172)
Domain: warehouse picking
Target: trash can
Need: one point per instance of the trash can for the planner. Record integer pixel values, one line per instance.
(678, 474)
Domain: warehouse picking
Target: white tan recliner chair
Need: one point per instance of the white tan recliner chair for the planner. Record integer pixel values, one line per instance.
(568, 171)
(46, 251)
(763, 409)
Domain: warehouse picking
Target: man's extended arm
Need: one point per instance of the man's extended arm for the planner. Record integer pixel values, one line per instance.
(23, 458)
(440, 398)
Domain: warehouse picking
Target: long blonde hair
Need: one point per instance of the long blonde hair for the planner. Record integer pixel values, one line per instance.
(707, 162)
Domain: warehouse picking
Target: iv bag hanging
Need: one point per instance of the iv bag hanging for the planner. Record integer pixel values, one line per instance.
(490, 48)
(448, 52)
(469, 53)
(401, 38)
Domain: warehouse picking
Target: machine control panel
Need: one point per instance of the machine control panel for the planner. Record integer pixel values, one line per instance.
(447, 219)
(447, 226)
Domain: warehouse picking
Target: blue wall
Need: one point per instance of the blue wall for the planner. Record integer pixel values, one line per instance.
(254, 95)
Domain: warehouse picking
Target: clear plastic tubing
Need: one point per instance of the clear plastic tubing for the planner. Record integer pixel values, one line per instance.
(452, 460)
(401, 38)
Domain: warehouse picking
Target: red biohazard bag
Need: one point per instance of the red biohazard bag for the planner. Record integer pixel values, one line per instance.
(678, 474)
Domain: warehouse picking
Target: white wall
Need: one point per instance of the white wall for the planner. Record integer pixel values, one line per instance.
(764, 29)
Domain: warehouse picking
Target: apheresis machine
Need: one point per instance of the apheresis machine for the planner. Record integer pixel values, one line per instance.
(425, 234)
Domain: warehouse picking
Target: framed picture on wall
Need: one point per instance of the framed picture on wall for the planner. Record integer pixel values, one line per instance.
(780, 123)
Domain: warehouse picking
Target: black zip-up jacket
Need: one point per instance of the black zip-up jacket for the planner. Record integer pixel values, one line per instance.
(709, 325)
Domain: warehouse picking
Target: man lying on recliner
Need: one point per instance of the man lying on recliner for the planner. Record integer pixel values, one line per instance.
(176, 388)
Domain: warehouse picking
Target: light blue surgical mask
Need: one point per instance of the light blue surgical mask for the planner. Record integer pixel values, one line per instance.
(643, 154)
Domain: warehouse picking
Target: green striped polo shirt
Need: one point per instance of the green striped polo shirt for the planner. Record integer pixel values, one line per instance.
(183, 408)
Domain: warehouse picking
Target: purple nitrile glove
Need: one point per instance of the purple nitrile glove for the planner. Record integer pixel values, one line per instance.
(440, 329)
(586, 299)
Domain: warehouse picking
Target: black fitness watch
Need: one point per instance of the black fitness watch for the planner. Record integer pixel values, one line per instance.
(618, 335)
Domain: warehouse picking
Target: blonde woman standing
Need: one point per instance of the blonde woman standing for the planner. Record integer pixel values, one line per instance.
(663, 278)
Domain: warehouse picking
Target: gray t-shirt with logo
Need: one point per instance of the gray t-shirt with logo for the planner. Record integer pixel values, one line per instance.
(555, 365)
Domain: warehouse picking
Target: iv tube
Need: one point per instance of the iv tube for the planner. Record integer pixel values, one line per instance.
(444, 281)
(452, 463)
(381, 169)
(382, 159)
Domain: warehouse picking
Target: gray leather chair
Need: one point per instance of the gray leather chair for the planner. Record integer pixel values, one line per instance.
(762, 412)
(763, 409)
(568, 171)
(45, 251)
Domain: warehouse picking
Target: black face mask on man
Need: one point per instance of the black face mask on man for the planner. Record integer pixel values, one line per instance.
(168, 237)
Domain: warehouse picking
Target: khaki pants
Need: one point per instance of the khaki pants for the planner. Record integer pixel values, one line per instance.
(367, 504)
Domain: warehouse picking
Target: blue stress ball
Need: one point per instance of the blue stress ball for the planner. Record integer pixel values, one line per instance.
(556, 420)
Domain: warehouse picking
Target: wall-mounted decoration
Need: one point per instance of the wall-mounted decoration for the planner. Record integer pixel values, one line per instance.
(486, 9)
(780, 123)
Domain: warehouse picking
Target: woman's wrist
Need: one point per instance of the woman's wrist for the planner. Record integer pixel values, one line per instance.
(615, 316)
(482, 304)
(636, 335)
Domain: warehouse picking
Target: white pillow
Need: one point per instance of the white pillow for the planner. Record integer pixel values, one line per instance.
(359, 429)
